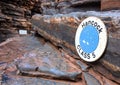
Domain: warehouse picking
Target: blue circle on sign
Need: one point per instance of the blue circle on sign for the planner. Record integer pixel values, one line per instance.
(89, 39)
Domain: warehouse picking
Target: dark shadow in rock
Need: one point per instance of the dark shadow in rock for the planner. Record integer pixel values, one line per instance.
(5, 78)
(92, 6)
(4, 34)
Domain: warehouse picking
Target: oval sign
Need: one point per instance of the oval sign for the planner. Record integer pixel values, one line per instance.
(91, 39)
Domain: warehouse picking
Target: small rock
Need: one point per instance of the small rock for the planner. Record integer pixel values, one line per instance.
(20, 19)
(83, 66)
(108, 82)
(5, 78)
(90, 80)
(3, 18)
(63, 4)
(50, 11)
(3, 65)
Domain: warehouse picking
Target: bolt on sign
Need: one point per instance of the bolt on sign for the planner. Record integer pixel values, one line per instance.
(91, 39)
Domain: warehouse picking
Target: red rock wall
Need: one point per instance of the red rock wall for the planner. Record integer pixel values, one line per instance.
(110, 4)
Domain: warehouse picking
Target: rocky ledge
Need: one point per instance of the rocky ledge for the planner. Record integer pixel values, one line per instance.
(51, 58)
(60, 29)
(31, 60)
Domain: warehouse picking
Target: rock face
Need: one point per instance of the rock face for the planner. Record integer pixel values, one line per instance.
(47, 61)
(35, 81)
(12, 18)
(40, 63)
(51, 27)
(37, 62)
(14, 14)
(32, 60)
(108, 4)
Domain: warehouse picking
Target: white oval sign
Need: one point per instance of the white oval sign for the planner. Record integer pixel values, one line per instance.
(91, 39)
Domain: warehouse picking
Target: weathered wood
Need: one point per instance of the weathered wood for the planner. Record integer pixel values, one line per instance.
(110, 4)
(60, 29)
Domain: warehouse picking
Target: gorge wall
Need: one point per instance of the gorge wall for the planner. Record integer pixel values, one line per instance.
(57, 20)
